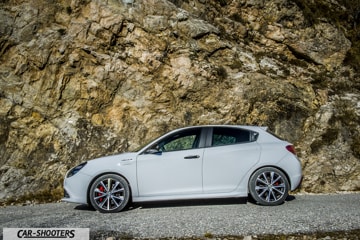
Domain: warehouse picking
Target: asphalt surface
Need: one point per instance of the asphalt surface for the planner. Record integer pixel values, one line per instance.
(232, 217)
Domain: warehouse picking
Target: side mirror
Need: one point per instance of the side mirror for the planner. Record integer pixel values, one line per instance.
(153, 151)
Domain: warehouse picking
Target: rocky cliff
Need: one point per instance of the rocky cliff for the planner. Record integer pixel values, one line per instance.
(85, 78)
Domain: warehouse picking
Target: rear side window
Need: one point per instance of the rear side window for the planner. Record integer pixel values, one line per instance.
(227, 136)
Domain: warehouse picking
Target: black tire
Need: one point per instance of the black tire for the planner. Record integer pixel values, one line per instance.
(111, 199)
(269, 186)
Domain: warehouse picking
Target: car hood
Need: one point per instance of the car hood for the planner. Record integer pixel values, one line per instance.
(118, 157)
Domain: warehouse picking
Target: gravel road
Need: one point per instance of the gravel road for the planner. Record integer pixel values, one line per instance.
(234, 217)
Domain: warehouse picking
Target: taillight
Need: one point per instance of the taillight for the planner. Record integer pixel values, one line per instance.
(291, 149)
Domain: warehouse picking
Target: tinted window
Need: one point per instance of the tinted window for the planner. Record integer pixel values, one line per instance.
(227, 136)
(186, 139)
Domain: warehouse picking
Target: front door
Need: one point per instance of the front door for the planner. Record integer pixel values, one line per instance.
(175, 169)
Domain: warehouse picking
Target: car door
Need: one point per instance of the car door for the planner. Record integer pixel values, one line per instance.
(172, 166)
(231, 154)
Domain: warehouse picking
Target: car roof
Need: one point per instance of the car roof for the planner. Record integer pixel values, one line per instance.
(248, 127)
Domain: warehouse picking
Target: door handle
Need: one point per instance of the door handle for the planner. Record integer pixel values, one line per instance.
(192, 156)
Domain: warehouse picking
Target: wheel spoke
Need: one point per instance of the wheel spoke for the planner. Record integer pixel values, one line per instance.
(260, 180)
(115, 186)
(114, 201)
(281, 185)
(104, 186)
(265, 178)
(260, 188)
(109, 184)
(263, 192)
(103, 202)
(118, 190)
(273, 195)
(97, 190)
(271, 177)
(121, 198)
(277, 179)
(279, 189)
(97, 197)
(268, 196)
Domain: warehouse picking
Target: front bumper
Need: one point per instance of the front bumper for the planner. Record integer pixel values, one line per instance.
(76, 187)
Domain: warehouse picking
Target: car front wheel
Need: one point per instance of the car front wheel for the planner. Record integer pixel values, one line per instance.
(269, 186)
(109, 193)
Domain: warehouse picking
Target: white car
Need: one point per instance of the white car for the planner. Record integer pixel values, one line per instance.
(219, 161)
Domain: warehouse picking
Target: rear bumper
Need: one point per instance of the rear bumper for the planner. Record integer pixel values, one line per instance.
(296, 182)
(291, 165)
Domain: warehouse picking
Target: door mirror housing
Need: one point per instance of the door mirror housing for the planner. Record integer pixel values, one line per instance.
(153, 151)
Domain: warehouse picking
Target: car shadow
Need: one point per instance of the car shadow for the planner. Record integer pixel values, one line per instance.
(187, 203)
(85, 207)
(172, 203)
(288, 199)
(183, 203)
(198, 202)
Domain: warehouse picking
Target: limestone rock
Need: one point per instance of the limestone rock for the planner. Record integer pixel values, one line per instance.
(82, 79)
(323, 44)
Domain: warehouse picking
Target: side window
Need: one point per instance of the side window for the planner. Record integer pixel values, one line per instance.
(187, 139)
(227, 136)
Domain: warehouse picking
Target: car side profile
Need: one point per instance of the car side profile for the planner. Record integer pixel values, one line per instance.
(199, 162)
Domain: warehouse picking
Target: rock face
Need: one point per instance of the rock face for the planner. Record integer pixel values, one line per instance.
(85, 78)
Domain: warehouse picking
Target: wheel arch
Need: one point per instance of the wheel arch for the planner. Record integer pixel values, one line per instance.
(265, 166)
(101, 174)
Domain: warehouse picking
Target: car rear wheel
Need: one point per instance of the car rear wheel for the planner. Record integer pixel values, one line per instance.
(109, 193)
(269, 186)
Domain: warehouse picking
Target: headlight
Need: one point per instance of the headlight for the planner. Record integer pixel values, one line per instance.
(75, 170)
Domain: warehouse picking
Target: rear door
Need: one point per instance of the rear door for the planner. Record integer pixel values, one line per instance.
(231, 154)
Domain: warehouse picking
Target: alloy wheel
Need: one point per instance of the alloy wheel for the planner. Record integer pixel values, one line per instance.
(269, 186)
(109, 193)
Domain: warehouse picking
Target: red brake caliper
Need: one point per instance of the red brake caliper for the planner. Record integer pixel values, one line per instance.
(101, 188)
